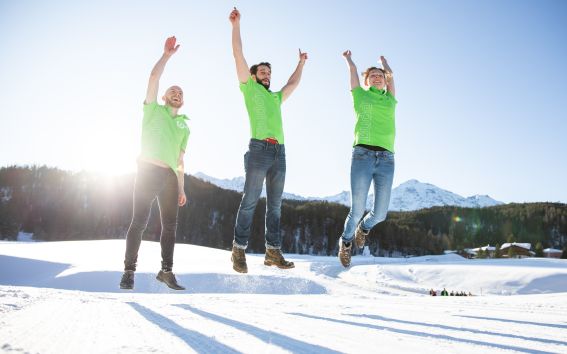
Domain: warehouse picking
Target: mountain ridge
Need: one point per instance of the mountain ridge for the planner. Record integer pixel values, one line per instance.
(408, 196)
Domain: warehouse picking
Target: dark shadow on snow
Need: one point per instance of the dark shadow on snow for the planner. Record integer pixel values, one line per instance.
(28, 272)
(250, 284)
(197, 341)
(18, 271)
(450, 328)
(288, 343)
(424, 334)
(515, 321)
(35, 273)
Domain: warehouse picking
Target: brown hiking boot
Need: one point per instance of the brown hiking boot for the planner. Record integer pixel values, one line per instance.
(344, 253)
(275, 257)
(168, 278)
(360, 236)
(239, 260)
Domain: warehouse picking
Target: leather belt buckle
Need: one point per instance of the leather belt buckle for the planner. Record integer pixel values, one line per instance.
(271, 141)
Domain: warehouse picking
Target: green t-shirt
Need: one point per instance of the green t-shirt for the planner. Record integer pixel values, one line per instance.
(375, 117)
(264, 111)
(163, 136)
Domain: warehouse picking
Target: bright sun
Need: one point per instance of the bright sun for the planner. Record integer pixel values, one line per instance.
(110, 155)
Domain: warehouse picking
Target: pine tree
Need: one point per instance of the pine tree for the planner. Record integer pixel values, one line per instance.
(56, 205)
(539, 250)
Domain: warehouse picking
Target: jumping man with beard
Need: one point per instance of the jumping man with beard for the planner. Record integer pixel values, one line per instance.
(160, 173)
(265, 158)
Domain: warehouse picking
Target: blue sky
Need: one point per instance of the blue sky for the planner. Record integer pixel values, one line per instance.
(480, 85)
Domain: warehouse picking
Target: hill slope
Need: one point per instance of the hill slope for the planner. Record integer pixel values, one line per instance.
(62, 297)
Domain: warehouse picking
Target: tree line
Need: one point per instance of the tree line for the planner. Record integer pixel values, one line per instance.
(59, 205)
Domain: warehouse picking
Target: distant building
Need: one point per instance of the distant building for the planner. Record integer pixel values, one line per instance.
(461, 253)
(552, 253)
(490, 251)
(467, 253)
(518, 250)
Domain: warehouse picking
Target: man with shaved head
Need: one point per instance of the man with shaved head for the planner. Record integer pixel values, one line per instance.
(160, 173)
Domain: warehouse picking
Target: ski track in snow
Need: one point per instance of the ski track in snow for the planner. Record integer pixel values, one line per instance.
(377, 305)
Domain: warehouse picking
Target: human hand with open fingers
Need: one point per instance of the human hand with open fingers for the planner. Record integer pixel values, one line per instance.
(302, 56)
(170, 48)
(234, 17)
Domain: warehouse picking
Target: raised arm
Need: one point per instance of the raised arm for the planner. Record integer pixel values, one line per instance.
(389, 76)
(354, 80)
(153, 84)
(241, 66)
(295, 77)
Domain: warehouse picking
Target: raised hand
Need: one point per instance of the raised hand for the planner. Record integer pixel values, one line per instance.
(385, 65)
(302, 56)
(170, 48)
(354, 81)
(234, 17)
(389, 76)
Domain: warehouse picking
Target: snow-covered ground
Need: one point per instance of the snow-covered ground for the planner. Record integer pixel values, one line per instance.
(63, 297)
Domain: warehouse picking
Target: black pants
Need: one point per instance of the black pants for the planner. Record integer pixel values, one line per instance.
(153, 182)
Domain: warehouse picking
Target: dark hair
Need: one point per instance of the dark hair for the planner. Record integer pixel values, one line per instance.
(367, 72)
(254, 68)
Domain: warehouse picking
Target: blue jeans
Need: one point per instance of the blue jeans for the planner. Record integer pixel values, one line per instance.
(262, 161)
(368, 166)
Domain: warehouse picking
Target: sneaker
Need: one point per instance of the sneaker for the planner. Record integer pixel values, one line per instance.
(238, 259)
(344, 252)
(275, 257)
(360, 236)
(168, 278)
(127, 281)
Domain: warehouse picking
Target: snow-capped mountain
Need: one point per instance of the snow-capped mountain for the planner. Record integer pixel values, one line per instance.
(341, 198)
(237, 184)
(410, 195)
(233, 184)
(414, 195)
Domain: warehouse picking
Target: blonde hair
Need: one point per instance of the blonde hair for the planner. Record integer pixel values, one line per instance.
(367, 72)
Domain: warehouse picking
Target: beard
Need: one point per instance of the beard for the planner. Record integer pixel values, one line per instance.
(174, 104)
(266, 86)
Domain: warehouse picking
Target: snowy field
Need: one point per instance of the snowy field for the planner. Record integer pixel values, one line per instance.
(63, 297)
